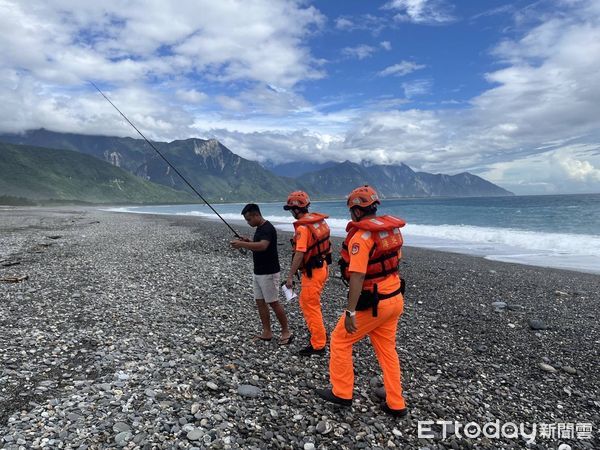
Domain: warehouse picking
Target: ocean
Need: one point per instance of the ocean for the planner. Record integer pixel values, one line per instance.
(561, 231)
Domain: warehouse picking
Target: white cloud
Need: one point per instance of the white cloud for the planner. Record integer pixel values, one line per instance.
(387, 102)
(535, 129)
(421, 11)
(364, 22)
(280, 147)
(386, 45)
(545, 96)
(69, 41)
(190, 95)
(401, 69)
(578, 170)
(270, 100)
(28, 105)
(417, 88)
(550, 86)
(230, 103)
(565, 168)
(343, 23)
(367, 139)
(504, 9)
(48, 49)
(360, 51)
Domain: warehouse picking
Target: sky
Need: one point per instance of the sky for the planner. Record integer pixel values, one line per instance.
(508, 90)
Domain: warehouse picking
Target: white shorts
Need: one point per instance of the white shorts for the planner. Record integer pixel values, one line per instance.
(266, 287)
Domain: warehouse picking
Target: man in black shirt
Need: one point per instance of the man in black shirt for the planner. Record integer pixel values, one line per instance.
(266, 272)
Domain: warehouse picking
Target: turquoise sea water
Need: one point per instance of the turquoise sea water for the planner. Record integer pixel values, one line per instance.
(560, 231)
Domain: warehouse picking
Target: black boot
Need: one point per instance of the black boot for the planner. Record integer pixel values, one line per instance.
(310, 350)
(327, 394)
(393, 412)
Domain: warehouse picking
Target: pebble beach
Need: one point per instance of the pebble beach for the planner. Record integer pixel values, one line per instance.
(136, 331)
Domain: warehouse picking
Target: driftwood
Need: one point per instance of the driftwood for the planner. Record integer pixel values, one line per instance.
(10, 263)
(14, 279)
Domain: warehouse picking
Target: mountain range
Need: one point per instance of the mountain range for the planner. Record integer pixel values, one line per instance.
(218, 173)
(221, 175)
(401, 181)
(37, 173)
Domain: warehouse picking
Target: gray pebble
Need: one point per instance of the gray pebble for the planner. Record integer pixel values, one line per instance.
(537, 324)
(122, 438)
(247, 390)
(150, 393)
(323, 427)
(547, 368)
(120, 427)
(195, 435)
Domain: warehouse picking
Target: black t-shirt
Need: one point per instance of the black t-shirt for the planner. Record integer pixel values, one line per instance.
(266, 262)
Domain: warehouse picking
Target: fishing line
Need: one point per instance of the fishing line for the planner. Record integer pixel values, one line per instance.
(167, 161)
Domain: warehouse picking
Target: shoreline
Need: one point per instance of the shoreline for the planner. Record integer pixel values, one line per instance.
(136, 331)
(449, 249)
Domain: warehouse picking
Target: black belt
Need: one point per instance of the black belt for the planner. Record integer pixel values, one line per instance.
(371, 299)
(390, 295)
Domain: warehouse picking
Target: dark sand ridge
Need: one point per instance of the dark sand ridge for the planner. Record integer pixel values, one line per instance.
(136, 331)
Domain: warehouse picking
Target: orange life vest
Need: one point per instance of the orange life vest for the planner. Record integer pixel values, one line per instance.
(384, 259)
(318, 249)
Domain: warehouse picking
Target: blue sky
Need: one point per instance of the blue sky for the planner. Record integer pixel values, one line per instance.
(504, 89)
(444, 50)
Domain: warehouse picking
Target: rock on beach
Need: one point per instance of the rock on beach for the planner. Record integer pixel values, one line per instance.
(135, 331)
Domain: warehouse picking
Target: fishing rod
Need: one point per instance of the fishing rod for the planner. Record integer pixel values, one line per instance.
(167, 161)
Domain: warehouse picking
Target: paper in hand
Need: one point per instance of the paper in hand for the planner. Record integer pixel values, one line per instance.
(289, 293)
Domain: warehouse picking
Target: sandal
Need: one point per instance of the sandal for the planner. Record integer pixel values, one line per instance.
(287, 341)
(260, 338)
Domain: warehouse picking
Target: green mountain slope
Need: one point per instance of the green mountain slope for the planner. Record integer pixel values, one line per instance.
(42, 173)
(209, 166)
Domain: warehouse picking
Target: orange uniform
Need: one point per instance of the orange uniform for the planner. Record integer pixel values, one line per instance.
(381, 328)
(310, 292)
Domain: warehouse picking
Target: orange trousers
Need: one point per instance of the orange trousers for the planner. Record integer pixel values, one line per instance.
(382, 332)
(310, 303)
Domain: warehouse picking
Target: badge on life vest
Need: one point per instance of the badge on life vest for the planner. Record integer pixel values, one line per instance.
(355, 248)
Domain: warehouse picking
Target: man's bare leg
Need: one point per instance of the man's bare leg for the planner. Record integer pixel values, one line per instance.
(282, 318)
(265, 319)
